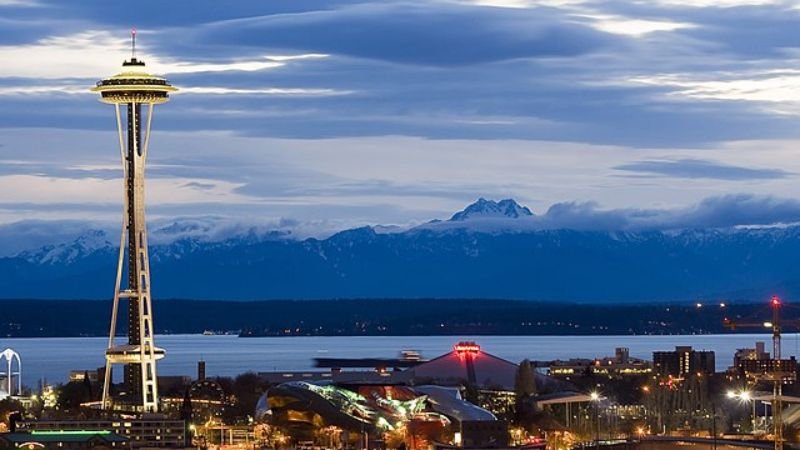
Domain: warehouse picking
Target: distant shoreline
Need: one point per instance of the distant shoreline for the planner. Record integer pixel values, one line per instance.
(456, 337)
(381, 317)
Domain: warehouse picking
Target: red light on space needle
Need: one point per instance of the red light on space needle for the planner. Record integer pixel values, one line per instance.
(776, 301)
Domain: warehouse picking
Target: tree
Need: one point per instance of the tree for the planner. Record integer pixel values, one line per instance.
(87, 385)
(680, 403)
(9, 407)
(472, 394)
(72, 394)
(525, 389)
(525, 380)
(186, 407)
(186, 416)
(247, 388)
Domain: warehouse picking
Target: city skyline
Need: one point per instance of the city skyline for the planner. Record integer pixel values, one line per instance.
(406, 224)
(337, 114)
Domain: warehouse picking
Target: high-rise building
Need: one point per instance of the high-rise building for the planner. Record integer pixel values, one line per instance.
(683, 361)
(754, 364)
(201, 370)
(750, 354)
(622, 355)
(131, 91)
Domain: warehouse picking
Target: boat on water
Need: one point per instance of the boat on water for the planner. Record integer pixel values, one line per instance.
(407, 358)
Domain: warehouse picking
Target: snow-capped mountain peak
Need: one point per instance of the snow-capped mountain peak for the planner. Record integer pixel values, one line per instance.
(67, 252)
(484, 209)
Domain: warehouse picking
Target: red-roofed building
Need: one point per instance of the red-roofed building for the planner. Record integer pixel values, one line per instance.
(467, 362)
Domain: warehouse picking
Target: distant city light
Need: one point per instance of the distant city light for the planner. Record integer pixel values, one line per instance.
(699, 305)
(722, 305)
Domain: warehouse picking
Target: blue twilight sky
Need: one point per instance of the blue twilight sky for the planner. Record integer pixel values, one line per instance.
(320, 115)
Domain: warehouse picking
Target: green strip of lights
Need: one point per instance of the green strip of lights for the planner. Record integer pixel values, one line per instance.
(68, 432)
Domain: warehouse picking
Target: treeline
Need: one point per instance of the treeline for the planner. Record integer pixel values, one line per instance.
(32, 318)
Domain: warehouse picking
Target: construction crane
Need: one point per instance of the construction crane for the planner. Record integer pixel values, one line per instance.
(775, 372)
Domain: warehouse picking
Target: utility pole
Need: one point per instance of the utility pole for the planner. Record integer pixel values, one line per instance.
(597, 425)
(777, 374)
(714, 425)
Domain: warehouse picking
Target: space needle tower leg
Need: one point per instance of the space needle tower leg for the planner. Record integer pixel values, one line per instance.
(106, 399)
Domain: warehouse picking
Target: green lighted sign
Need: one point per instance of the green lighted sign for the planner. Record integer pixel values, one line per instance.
(67, 432)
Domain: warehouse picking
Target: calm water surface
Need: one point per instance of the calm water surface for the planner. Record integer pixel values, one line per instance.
(53, 358)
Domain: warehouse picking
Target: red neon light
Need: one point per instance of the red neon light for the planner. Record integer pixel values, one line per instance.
(463, 348)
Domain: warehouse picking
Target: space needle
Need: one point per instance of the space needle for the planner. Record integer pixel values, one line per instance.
(136, 92)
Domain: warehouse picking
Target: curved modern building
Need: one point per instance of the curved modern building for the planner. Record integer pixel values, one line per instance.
(420, 406)
(432, 413)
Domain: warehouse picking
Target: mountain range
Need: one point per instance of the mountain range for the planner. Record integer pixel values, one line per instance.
(488, 250)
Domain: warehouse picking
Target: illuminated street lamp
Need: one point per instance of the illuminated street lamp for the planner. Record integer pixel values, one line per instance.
(744, 397)
(595, 397)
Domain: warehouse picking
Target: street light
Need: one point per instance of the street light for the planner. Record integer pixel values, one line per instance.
(595, 397)
(714, 424)
(744, 397)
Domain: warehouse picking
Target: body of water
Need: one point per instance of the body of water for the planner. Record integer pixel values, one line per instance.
(53, 358)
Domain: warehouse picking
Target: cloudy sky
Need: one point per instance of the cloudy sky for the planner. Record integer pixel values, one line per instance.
(328, 114)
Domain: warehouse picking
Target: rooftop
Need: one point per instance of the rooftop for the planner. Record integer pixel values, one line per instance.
(62, 436)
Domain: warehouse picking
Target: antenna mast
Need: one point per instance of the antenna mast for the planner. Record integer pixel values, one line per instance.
(133, 44)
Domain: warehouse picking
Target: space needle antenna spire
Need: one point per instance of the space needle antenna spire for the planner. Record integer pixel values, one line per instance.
(133, 43)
